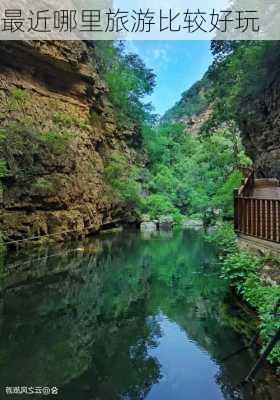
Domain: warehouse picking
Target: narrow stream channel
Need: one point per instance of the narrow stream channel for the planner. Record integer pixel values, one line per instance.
(122, 316)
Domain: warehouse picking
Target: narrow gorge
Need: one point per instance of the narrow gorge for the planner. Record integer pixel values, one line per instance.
(121, 267)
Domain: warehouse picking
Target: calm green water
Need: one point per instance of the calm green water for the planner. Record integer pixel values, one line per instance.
(124, 317)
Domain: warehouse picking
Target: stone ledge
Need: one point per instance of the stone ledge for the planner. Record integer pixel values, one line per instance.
(257, 246)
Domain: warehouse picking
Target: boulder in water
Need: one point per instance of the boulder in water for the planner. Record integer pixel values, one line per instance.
(148, 226)
(165, 222)
(193, 223)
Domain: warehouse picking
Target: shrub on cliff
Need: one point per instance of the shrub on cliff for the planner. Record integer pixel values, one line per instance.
(123, 179)
(3, 168)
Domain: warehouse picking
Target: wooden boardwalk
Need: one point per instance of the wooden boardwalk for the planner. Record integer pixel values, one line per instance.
(257, 209)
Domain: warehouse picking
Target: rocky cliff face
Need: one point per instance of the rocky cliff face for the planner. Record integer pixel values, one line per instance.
(57, 131)
(260, 129)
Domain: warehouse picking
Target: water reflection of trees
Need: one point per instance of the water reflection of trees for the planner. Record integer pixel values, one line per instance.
(190, 292)
(89, 320)
(88, 326)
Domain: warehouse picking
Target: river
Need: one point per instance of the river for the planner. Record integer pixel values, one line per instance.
(124, 316)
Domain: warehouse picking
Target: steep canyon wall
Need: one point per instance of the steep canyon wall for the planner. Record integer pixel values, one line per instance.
(58, 130)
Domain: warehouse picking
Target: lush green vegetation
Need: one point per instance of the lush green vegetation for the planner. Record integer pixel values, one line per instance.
(186, 175)
(66, 120)
(123, 179)
(56, 140)
(43, 185)
(3, 167)
(244, 271)
(127, 78)
(17, 100)
(241, 71)
(193, 102)
(3, 172)
(190, 175)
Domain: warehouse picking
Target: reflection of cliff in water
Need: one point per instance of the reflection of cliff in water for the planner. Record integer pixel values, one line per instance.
(87, 320)
(55, 327)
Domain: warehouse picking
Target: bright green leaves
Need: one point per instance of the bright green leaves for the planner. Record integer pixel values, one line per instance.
(246, 273)
(194, 173)
(240, 72)
(123, 178)
(127, 78)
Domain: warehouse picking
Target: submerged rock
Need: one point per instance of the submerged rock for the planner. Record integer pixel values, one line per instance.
(166, 233)
(116, 229)
(212, 229)
(193, 223)
(165, 222)
(148, 226)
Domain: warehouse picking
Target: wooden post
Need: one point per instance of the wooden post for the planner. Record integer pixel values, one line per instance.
(268, 220)
(262, 358)
(275, 339)
(258, 216)
(278, 221)
(263, 219)
(274, 220)
(236, 210)
(249, 208)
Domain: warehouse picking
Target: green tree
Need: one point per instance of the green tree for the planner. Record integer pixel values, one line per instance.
(241, 70)
(127, 78)
(123, 179)
(191, 174)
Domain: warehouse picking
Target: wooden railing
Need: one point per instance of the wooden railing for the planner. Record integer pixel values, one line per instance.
(257, 217)
(248, 182)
